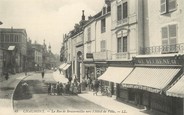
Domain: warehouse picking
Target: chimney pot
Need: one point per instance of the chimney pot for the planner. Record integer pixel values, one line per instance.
(83, 16)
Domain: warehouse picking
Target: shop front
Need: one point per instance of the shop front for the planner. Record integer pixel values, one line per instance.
(89, 75)
(67, 71)
(149, 79)
(112, 77)
(176, 91)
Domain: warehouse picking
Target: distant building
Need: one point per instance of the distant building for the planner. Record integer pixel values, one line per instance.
(37, 53)
(14, 43)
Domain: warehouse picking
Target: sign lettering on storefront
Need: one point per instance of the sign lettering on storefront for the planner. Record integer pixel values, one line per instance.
(157, 61)
(89, 55)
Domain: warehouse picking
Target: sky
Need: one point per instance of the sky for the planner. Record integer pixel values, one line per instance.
(46, 19)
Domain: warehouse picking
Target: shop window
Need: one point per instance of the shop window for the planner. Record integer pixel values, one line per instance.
(167, 6)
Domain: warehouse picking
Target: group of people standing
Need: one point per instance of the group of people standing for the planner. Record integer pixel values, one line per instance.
(92, 85)
(64, 88)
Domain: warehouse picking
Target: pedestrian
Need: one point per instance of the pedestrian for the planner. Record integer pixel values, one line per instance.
(96, 86)
(49, 89)
(43, 73)
(6, 76)
(60, 70)
(25, 89)
(57, 88)
(61, 88)
(52, 89)
(89, 84)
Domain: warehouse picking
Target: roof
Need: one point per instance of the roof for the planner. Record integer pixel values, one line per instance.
(14, 30)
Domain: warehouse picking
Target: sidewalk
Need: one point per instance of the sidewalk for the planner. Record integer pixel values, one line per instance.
(7, 88)
(113, 105)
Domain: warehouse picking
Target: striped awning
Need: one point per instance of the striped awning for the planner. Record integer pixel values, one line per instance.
(66, 66)
(115, 74)
(62, 65)
(177, 89)
(152, 79)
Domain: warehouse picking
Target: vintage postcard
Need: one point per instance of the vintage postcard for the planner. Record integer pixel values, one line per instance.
(91, 57)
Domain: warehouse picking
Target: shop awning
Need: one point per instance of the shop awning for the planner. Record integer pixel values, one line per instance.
(150, 78)
(10, 48)
(177, 89)
(62, 65)
(66, 66)
(59, 77)
(115, 74)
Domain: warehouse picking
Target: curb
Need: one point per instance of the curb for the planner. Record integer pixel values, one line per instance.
(12, 104)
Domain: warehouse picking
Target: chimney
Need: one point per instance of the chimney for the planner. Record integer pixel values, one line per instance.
(107, 2)
(83, 16)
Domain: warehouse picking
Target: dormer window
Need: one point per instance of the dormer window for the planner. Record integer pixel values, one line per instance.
(104, 10)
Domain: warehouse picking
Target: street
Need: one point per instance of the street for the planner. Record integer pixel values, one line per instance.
(39, 100)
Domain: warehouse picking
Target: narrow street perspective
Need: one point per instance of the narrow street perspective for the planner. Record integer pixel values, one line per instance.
(92, 57)
(37, 97)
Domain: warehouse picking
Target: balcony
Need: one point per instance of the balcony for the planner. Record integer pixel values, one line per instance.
(120, 56)
(102, 56)
(123, 21)
(131, 19)
(164, 49)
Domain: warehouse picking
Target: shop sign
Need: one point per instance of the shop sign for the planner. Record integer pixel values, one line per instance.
(100, 56)
(89, 55)
(157, 61)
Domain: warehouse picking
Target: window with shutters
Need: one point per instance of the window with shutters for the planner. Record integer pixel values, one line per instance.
(122, 13)
(167, 6)
(89, 34)
(125, 10)
(171, 5)
(125, 44)
(103, 25)
(122, 44)
(169, 36)
(119, 45)
(103, 45)
(119, 12)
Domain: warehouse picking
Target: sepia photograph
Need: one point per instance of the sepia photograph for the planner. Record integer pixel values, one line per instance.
(80, 57)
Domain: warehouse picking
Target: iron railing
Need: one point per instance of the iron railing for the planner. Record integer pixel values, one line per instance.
(120, 55)
(163, 49)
